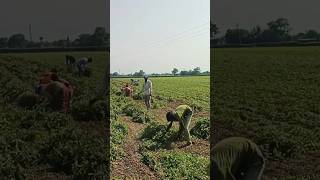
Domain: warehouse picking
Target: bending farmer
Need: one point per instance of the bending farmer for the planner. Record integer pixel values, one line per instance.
(82, 65)
(183, 115)
(57, 91)
(127, 90)
(236, 158)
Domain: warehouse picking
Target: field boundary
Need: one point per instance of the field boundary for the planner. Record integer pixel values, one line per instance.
(54, 49)
(271, 44)
(122, 77)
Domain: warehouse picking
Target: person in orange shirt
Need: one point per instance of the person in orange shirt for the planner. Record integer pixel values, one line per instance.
(127, 90)
(57, 91)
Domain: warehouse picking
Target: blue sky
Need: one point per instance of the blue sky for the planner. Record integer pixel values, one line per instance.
(158, 35)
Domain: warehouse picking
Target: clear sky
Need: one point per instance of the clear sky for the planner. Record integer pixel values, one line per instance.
(302, 15)
(158, 35)
(53, 19)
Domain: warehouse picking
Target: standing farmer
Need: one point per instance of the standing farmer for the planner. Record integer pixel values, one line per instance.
(183, 115)
(236, 158)
(147, 89)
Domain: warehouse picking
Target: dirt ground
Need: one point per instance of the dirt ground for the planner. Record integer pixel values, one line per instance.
(131, 167)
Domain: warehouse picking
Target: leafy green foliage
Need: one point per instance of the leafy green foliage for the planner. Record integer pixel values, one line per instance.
(35, 137)
(178, 165)
(155, 136)
(137, 113)
(194, 90)
(271, 96)
(28, 100)
(201, 129)
(85, 110)
(119, 132)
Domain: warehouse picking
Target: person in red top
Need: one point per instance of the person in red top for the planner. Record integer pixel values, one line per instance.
(57, 91)
(127, 90)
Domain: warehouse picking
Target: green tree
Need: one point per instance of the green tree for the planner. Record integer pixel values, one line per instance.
(213, 29)
(255, 33)
(100, 36)
(237, 36)
(17, 41)
(115, 74)
(280, 28)
(175, 71)
(85, 40)
(196, 71)
(3, 42)
(311, 34)
(139, 74)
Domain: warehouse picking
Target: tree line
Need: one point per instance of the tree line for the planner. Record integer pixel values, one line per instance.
(98, 38)
(278, 30)
(175, 72)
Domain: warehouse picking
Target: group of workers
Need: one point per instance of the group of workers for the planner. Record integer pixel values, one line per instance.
(80, 66)
(233, 158)
(127, 90)
(57, 91)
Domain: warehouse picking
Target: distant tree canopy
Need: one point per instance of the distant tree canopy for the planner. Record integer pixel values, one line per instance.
(3, 42)
(213, 29)
(276, 31)
(309, 34)
(237, 36)
(195, 72)
(115, 74)
(17, 41)
(140, 73)
(175, 71)
(99, 38)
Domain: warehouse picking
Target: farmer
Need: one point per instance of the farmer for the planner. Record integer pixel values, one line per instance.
(183, 115)
(82, 64)
(70, 62)
(236, 158)
(127, 90)
(135, 82)
(57, 91)
(147, 89)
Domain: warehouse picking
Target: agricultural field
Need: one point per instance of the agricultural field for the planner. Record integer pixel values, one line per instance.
(140, 145)
(38, 143)
(270, 95)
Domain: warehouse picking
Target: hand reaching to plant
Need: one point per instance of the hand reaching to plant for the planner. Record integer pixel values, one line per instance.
(169, 126)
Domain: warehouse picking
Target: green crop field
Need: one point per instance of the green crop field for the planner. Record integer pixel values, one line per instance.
(191, 90)
(144, 149)
(271, 95)
(39, 143)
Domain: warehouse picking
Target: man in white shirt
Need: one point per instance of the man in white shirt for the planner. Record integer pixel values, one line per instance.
(147, 89)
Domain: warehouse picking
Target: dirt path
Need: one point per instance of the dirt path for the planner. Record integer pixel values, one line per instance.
(131, 167)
